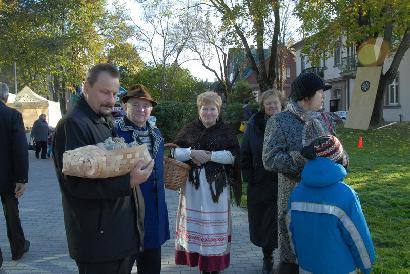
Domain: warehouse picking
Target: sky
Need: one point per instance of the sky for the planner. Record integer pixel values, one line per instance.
(194, 66)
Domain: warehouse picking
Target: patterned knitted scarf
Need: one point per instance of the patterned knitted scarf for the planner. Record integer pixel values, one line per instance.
(316, 123)
(215, 138)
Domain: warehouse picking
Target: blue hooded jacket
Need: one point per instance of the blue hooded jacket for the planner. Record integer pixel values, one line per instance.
(326, 223)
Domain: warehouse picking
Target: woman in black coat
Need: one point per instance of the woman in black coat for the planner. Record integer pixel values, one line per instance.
(262, 185)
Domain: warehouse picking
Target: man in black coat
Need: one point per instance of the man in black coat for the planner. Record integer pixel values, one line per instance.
(13, 172)
(99, 218)
(39, 133)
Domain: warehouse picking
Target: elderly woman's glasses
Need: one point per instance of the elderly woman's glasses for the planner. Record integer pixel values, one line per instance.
(140, 106)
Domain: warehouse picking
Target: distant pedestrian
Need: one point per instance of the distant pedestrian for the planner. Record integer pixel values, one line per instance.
(13, 173)
(327, 225)
(39, 133)
(50, 143)
(247, 110)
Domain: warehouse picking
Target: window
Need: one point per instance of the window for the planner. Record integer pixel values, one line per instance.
(336, 94)
(287, 72)
(302, 63)
(392, 94)
(337, 55)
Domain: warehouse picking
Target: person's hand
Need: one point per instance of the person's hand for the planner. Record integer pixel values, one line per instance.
(19, 190)
(200, 157)
(308, 152)
(140, 173)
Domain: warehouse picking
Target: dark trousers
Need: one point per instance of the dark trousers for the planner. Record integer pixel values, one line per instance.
(14, 231)
(148, 261)
(114, 267)
(41, 145)
(267, 254)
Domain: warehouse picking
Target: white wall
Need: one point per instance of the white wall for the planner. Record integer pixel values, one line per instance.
(392, 114)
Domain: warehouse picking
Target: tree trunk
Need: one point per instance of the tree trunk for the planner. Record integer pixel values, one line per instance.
(55, 88)
(63, 99)
(273, 62)
(388, 78)
(377, 115)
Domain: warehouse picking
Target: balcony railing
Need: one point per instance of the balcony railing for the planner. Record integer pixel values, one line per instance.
(317, 70)
(348, 65)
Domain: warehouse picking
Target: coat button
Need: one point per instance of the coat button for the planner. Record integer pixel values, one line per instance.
(101, 231)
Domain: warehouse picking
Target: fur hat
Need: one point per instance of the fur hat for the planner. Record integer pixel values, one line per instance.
(306, 85)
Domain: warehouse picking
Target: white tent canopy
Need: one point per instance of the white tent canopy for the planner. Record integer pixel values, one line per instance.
(31, 105)
(11, 99)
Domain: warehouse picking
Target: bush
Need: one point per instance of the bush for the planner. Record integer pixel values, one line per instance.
(172, 116)
(233, 113)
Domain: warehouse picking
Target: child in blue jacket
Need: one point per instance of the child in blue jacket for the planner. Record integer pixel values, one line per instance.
(328, 230)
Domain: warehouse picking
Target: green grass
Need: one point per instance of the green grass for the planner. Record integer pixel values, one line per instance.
(380, 174)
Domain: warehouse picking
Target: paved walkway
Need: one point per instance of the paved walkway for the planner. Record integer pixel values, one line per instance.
(42, 219)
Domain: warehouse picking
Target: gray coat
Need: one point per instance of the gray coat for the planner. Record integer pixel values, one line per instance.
(281, 153)
(40, 131)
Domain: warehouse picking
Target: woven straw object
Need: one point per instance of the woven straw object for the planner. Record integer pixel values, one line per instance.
(95, 162)
(175, 172)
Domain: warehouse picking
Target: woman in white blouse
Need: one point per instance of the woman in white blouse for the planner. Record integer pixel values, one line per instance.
(203, 227)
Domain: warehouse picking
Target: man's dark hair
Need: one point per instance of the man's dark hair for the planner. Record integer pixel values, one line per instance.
(96, 70)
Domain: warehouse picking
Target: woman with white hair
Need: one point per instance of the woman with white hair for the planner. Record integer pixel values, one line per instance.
(209, 146)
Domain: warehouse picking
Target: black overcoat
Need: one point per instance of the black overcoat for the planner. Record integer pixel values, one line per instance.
(99, 215)
(262, 185)
(14, 151)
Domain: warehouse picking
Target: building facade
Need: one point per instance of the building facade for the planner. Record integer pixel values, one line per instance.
(339, 70)
(238, 62)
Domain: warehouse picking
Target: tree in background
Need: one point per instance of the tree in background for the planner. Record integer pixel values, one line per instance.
(242, 93)
(181, 85)
(164, 36)
(54, 42)
(238, 16)
(325, 22)
(209, 43)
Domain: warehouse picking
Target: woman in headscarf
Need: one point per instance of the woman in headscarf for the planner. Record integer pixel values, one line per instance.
(262, 184)
(203, 226)
(285, 136)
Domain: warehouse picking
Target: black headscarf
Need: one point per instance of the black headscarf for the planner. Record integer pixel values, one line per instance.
(215, 138)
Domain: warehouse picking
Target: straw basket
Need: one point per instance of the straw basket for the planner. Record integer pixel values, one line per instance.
(175, 172)
(95, 162)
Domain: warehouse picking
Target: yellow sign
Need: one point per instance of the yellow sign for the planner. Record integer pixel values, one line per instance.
(363, 97)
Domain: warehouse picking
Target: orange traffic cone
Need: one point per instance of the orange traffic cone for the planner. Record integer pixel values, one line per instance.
(360, 142)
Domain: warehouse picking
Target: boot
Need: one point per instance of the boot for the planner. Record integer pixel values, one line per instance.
(267, 267)
(288, 268)
(267, 261)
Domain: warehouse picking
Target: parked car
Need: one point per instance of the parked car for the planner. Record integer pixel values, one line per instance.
(342, 114)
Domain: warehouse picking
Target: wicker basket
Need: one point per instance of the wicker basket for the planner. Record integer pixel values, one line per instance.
(175, 172)
(94, 162)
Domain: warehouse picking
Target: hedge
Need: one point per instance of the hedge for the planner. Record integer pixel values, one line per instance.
(172, 116)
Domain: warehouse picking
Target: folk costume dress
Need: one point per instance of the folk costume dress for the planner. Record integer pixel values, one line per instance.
(203, 226)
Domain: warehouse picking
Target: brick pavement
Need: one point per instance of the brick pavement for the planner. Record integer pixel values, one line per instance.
(42, 219)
